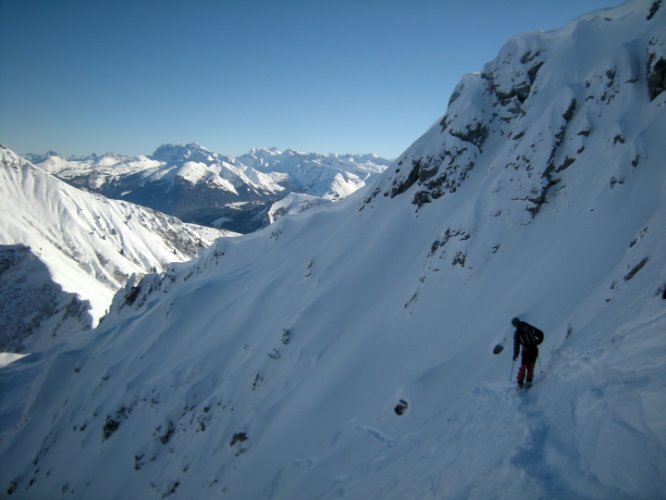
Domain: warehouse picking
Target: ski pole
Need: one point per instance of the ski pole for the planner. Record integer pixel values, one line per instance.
(540, 369)
(511, 376)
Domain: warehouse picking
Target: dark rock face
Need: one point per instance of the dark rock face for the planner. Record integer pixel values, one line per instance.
(656, 75)
(656, 59)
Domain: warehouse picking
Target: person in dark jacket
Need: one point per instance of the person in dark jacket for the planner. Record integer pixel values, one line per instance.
(529, 337)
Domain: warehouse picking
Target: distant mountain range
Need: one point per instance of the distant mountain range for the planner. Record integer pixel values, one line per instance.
(196, 185)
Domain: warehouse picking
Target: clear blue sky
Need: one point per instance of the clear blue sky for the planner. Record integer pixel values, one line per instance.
(83, 76)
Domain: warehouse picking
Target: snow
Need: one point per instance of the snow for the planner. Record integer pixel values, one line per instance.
(270, 366)
(331, 176)
(104, 168)
(193, 172)
(35, 312)
(293, 203)
(198, 185)
(314, 172)
(342, 186)
(9, 357)
(89, 244)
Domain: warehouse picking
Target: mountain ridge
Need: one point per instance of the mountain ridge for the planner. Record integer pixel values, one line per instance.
(203, 187)
(89, 245)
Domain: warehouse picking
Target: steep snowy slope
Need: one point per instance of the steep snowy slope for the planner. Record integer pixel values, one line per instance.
(272, 366)
(89, 244)
(292, 204)
(201, 186)
(34, 312)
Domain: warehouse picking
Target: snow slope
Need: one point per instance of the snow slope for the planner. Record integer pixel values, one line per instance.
(201, 186)
(292, 204)
(89, 244)
(271, 366)
(35, 312)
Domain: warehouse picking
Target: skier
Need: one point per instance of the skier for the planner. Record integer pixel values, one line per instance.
(529, 337)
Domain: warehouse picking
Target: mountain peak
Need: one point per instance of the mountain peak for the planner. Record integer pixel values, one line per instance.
(178, 154)
(39, 158)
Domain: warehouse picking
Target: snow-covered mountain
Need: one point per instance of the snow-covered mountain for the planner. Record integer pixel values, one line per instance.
(330, 177)
(348, 351)
(200, 186)
(87, 245)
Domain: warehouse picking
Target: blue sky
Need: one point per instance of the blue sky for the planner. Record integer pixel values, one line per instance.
(83, 76)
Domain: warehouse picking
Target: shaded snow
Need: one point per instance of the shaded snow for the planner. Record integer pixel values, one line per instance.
(35, 312)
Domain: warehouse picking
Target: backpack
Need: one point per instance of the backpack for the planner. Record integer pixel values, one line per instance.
(530, 335)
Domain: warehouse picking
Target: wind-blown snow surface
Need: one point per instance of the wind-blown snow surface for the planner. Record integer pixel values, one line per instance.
(270, 366)
(89, 244)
